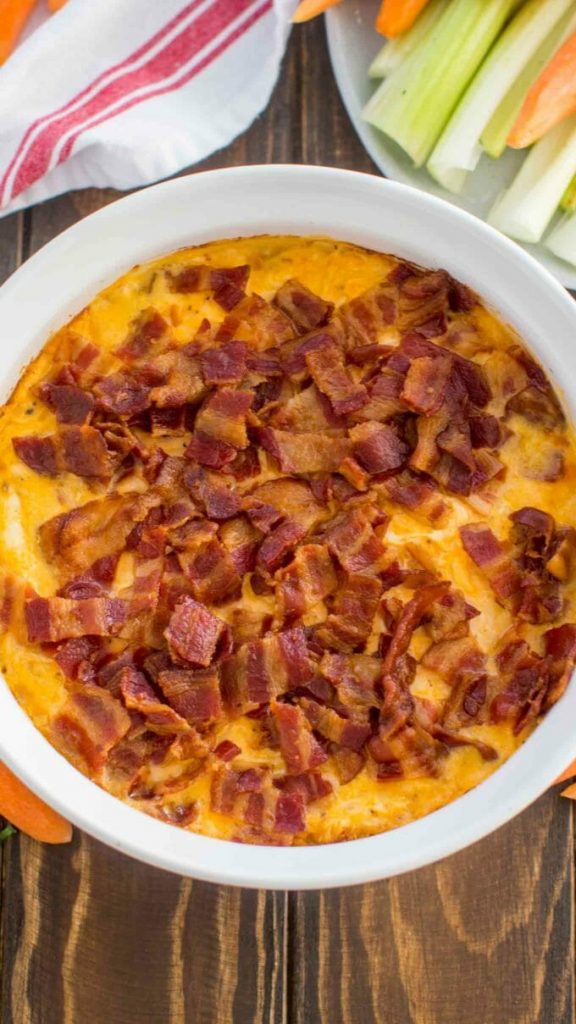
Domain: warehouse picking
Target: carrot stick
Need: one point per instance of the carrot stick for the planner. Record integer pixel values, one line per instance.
(308, 9)
(396, 16)
(568, 773)
(551, 98)
(30, 814)
(570, 792)
(55, 5)
(13, 16)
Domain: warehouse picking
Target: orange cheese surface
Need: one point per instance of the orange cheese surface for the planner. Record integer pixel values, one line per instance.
(337, 272)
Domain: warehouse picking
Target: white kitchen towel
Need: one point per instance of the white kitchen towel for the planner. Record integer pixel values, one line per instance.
(121, 93)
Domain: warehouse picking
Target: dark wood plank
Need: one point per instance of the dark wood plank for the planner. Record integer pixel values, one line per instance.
(90, 936)
(484, 937)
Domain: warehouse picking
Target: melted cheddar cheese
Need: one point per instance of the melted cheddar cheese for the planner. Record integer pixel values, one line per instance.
(337, 272)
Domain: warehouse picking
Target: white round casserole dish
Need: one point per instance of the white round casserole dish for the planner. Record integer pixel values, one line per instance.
(60, 279)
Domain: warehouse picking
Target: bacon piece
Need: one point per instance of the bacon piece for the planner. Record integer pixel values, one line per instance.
(466, 373)
(241, 540)
(355, 677)
(350, 622)
(94, 582)
(227, 750)
(466, 701)
(264, 669)
(416, 494)
(50, 619)
(122, 395)
(208, 451)
(485, 431)
(331, 377)
(223, 417)
(194, 695)
(423, 302)
(353, 472)
(218, 501)
(366, 316)
(305, 452)
(76, 539)
(244, 465)
(561, 559)
(257, 322)
(293, 353)
(227, 283)
(206, 562)
(378, 447)
(311, 786)
(71, 404)
(148, 327)
(174, 378)
(347, 763)
(168, 422)
(540, 408)
(265, 364)
(425, 385)
(193, 632)
(560, 650)
(384, 397)
(290, 498)
(306, 310)
(450, 616)
(78, 450)
(306, 411)
(454, 657)
(492, 558)
(344, 731)
(524, 681)
(308, 579)
(410, 618)
(352, 540)
(138, 695)
(225, 364)
(88, 726)
(76, 657)
(532, 532)
(279, 543)
(300, 750)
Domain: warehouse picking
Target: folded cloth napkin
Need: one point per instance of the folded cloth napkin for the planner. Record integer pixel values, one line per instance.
(120, 93)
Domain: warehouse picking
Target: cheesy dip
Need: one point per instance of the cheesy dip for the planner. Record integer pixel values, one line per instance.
(287, 540)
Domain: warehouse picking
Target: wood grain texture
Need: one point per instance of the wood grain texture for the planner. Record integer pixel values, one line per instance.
(90, 937)
(484, 937)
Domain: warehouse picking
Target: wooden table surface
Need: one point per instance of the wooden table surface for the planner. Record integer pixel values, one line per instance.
(91, 937)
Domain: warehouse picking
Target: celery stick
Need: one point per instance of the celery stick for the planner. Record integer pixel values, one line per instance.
(493, 138)
(459, 149)
(562, 240)
(527, 206)
(396, 50)
(414, 104)
(568, 201)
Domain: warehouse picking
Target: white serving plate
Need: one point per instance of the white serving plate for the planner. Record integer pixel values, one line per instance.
(353, 43)
(370, 211)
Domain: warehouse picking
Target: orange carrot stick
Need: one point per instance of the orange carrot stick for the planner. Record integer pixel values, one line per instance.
(30, 814)
(13, 16)
(570, 792)
(551, 98)
(55, 5)
(568, 773)
(308, 9)
(396, 16)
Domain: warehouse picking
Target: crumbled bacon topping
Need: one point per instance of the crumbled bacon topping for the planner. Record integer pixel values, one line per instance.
(252, 570)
